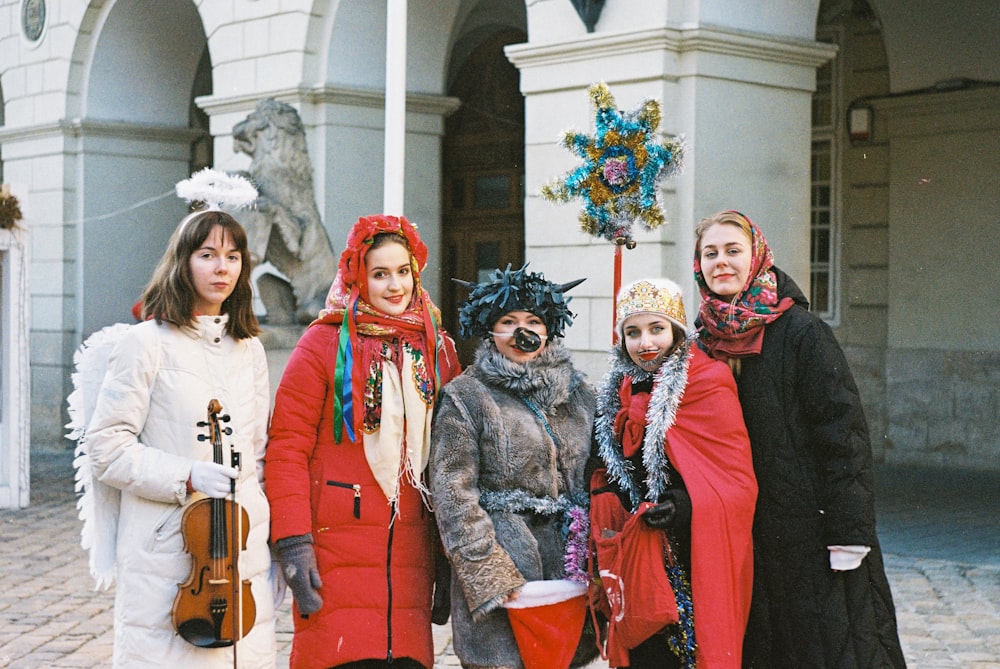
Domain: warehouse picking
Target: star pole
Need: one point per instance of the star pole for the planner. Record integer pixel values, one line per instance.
(618, 180)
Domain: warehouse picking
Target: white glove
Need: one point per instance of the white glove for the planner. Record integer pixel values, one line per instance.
(212, 479)
(847, 558)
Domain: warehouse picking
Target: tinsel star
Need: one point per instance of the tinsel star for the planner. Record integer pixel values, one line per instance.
(622, 166)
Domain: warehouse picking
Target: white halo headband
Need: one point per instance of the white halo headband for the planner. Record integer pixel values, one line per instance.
(218, 190)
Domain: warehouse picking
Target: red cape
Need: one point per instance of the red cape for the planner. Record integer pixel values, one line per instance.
(709, 446)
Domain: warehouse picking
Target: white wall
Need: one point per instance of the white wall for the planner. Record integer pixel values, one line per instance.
(121, 239)
(944, 227)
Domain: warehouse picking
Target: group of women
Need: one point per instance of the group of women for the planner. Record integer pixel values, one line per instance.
(391, 490)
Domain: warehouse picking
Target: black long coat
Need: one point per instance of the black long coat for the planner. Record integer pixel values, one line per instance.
(813, 461)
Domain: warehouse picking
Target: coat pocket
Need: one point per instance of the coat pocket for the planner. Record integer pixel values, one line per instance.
(166, 535)
(356, 488)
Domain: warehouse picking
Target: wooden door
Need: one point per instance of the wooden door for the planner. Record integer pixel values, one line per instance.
(474, 247)
(483, 158)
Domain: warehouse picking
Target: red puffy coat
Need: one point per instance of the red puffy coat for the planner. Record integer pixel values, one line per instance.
(377, 577)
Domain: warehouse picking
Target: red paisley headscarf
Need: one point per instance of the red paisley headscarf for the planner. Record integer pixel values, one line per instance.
(735, 329)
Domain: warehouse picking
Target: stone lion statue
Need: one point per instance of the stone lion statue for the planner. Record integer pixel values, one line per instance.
(284, 226)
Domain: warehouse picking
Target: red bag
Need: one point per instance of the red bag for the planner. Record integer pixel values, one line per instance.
(547, 619)
(636, 596)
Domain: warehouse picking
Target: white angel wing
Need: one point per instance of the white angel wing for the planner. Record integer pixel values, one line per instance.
(98, 505)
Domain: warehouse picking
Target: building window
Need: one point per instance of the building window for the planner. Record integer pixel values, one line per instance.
(823, 196)
(821, 247)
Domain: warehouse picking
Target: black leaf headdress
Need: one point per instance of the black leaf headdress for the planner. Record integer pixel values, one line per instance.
(514, 290)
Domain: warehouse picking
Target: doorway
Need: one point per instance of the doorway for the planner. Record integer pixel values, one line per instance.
(483, 180)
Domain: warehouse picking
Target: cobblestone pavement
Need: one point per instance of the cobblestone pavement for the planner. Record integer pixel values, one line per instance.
(940, 534)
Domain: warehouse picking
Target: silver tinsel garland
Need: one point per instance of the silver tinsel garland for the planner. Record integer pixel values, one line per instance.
(669, 382)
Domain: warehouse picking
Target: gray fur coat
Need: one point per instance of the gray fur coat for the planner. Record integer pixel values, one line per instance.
(501, 481)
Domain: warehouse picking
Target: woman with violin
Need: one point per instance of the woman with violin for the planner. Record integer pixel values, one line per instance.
(349, 444)
(178, 435)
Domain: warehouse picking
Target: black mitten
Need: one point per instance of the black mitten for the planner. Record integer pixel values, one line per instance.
(441, 606)
(441, 610)
(661, 516)
(298, 565)
(674, 510)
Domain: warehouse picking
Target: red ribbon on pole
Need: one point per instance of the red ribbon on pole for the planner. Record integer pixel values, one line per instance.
(616, 286)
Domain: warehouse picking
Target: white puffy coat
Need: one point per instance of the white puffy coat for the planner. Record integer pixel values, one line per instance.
(143, 439)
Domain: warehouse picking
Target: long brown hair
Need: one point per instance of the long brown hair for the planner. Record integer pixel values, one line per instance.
(171, 293)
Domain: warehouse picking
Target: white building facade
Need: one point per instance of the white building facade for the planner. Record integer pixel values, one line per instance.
(887, 223)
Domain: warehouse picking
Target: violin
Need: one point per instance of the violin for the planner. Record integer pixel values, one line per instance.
(213, 608)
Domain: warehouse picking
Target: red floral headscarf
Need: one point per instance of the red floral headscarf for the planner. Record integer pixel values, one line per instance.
(735, 329)
(351, 271)
(347, 305)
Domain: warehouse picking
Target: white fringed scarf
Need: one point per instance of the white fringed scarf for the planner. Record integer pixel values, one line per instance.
(405, 422)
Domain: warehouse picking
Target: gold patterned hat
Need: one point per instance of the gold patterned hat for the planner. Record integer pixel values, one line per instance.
(658, 296)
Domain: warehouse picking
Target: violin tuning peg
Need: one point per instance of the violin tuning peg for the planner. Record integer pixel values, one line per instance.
(202, 423)
(227, 430)
(224, 418)
(202, 437)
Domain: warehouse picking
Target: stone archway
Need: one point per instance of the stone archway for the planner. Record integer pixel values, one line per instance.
(349, 156)
(134, 143)
(849, 237)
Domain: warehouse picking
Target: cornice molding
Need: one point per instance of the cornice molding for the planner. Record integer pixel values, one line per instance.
(78, 127)
(326, 94)
(706, 39)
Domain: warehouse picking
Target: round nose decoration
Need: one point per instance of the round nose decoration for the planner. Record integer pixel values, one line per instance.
(526, 340)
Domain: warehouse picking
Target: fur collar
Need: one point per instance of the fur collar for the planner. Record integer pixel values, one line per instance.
(546, 381)
(669, 382)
